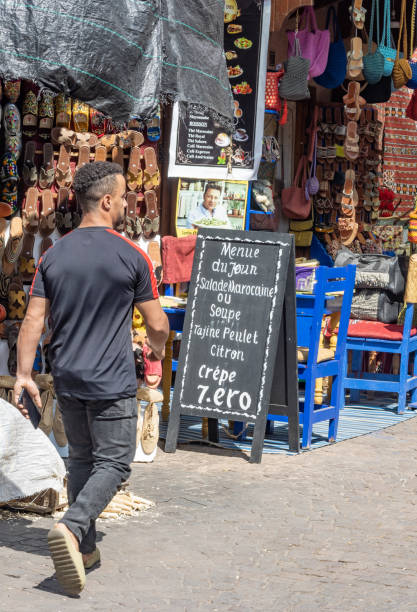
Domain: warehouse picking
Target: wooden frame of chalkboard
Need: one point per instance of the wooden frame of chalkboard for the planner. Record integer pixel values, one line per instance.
(241, 284)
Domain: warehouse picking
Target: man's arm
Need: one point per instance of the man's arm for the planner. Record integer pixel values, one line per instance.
(27, 343)
(157, 327)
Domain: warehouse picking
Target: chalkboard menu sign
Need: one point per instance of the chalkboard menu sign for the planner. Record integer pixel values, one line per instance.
(231, 329)
(200, 146)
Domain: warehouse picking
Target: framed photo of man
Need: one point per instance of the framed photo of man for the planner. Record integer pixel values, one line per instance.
(210, 203)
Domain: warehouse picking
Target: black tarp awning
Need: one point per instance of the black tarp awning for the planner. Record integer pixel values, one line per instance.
(120, 56)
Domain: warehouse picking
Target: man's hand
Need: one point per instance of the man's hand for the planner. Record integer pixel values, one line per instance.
(32, 389)
(154, 355)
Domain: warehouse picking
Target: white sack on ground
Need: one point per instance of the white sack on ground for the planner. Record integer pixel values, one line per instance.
(29, 462)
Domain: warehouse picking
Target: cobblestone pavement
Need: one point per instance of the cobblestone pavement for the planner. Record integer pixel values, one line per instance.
(330, 529)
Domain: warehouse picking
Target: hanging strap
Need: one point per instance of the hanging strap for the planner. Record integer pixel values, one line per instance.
(297, 46)
(300, 168)
(413, 24)
(375, 8)
(386, 33)
(403, 32)
(310, 19)
(336, 30)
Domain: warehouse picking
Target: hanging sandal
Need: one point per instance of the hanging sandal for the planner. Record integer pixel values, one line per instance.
(12, 90)
(151, 175)
(117, 156)
(129, 138)
(151, 221)
(63, 174)
(63, 214)
(134, 172)
(29, 170)
(100, 153)
(153, 127)
(83, 156)
(47, 220)
(131, 220)
(348, 230)
(355, 58)
(154, 253)
(27, 266)
(357, 14)
(47, 171)
(30, 211)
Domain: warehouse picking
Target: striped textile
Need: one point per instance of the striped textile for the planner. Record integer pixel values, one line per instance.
(400, 148)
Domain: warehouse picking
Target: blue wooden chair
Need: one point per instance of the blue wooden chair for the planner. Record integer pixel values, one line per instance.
(316, 362)
(383, 338)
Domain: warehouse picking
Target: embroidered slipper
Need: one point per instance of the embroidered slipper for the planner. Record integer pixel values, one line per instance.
(47, 171)
(131, 218)
(151, 221)
(8, 169)
(68, 562)
(134, 171)
(17, 301)
(27, 266)
(151, 175)
(98, 122)
(63, 174)
(30, 114)
(117, 156)
(153, 127)
(29, 170)
(154, 253)
(12, 90)
(83, 156)
(63, 214)
(46, 114)
(80, 116)
(30, 215)
(11, 120)
(101, 153)
(348, 230)
(63, 107)
(47, 220)
(14, 243)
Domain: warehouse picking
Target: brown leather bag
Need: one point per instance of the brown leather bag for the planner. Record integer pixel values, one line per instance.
(294, 202)
(263, 222)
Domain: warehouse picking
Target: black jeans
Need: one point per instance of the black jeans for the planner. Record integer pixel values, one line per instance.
(102, 442)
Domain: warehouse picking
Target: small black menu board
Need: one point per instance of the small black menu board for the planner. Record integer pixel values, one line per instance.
(239, 287)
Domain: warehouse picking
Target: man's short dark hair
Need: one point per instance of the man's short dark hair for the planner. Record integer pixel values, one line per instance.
(212, 186)
(93, 181)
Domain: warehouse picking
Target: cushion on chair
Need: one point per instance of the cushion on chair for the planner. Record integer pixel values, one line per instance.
(324, 354)
(376, 330)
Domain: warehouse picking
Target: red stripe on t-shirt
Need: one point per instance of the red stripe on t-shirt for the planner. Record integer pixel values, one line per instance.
(36, 273)
(148, 261)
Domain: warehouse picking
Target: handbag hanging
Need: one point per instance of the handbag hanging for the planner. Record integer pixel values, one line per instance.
(378, 93)
(386, 47)
(294, 83)
(401, 73)
(314, 43)
(411, 110)
(335, 71)
(373, 63)
(294, 202)
(271, 91)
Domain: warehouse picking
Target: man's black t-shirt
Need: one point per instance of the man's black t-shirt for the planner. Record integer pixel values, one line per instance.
(92, 277)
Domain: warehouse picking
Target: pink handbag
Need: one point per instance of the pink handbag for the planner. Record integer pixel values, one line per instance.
(314, 43)
(294, 202)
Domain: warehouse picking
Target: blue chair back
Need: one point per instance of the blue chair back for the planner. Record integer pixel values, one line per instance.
(310, 320)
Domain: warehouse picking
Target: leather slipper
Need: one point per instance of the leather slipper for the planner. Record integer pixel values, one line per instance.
(47, 220)
(47, 172)
(27, 266)
(30, 212)
(63, 174)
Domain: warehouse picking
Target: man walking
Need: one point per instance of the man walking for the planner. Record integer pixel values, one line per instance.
(88, 283)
